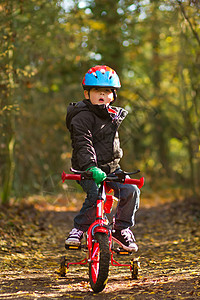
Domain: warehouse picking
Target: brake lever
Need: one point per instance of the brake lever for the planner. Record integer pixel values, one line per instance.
(131, 173)
(84, 174)
(121, 175)
(76, 171)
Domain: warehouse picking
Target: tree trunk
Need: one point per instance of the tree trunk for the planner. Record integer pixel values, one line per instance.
(159, 121)
(7, 111)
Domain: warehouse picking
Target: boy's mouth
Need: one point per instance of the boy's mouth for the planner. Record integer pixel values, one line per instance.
(101, 100)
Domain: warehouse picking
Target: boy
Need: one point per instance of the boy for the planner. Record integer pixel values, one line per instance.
(93, 125)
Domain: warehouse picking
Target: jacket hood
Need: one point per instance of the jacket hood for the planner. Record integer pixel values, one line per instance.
(73, 109)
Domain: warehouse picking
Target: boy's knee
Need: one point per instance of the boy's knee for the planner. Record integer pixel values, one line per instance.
(132, 190)
(134, 195)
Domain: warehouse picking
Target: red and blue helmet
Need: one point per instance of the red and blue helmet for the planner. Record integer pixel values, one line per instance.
(101, 76)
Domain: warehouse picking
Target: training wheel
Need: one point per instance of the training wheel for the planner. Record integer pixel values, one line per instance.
(135, 268)
(62, 269)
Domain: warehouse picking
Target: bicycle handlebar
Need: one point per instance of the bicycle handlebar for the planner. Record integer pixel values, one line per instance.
(138, 182)
(70, 176)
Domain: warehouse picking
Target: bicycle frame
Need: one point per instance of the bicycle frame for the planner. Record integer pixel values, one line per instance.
(100, 225)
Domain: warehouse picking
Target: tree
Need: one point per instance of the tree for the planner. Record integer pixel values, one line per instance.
(25, 38)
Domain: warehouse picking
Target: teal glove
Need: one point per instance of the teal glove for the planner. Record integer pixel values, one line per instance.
(97, 174)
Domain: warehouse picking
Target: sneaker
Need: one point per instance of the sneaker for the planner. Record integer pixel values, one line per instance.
(125, 239)
(74, 237)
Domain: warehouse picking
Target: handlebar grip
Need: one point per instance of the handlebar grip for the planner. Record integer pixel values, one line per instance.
(70, 176)
(138, 182)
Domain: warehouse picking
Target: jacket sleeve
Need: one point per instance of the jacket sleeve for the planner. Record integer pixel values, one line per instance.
(82, 141)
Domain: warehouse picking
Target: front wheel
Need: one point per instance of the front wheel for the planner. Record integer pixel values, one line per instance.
(99, 265)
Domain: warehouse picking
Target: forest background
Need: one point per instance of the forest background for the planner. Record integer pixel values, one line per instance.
(45, 49)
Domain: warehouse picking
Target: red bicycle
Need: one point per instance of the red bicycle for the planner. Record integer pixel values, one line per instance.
(99, 244)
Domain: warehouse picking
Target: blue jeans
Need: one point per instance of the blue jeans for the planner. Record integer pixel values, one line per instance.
(128, 194)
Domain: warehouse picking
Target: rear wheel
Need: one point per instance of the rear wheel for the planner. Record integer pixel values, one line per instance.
(99, 265)
(62, 269)
(135, 268)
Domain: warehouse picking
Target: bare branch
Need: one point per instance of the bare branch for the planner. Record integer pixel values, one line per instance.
(188, 20)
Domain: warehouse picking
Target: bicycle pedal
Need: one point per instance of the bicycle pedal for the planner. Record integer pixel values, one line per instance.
(72, 247)
(121, 251)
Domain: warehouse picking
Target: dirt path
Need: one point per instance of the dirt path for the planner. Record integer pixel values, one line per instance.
(31, 244)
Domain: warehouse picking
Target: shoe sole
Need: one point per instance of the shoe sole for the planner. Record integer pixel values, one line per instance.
(125, 247)
(73, 244)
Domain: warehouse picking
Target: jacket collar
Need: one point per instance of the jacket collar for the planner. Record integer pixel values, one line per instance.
(100, 110)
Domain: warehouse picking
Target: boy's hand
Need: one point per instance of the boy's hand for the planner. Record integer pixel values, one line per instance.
(97, 174)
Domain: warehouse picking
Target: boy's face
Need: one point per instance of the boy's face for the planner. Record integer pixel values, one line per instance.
(99, 95)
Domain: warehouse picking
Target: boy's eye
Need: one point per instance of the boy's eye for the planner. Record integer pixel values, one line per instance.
(106, 90)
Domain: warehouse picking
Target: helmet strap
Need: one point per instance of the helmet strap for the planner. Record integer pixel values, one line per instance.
(114, 95)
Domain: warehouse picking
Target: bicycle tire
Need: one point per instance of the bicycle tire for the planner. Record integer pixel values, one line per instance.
(135, 269)
(99, 265)
(62, 270)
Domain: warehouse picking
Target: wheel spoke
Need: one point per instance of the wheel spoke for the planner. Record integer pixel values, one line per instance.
(95, 262)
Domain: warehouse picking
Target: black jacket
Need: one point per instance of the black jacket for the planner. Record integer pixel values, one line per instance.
(94, 135)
